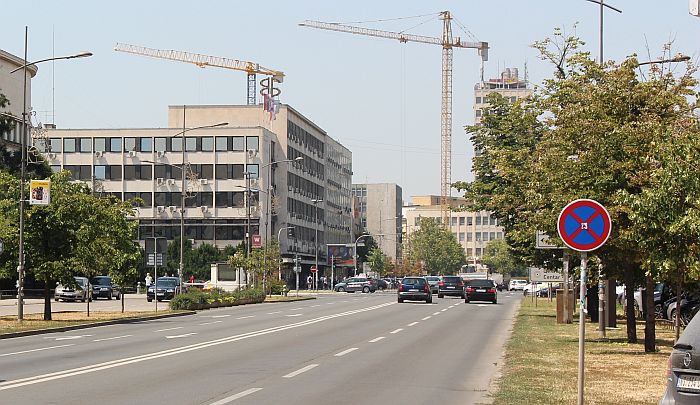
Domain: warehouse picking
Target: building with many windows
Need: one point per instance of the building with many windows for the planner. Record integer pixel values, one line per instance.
(251, 153)
(11, 86)
(509, 85)
(379, 210)
(473, 230)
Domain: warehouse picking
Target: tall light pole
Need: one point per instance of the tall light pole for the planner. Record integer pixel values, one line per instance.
(183, 192)
(602, 7)
(315, 202)
(357, 240)
(23, 163)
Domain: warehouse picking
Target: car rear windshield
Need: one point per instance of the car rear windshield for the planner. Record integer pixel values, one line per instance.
(413, 281)
(166, 282)
(433, 278)
(480, 283)
(451, 279)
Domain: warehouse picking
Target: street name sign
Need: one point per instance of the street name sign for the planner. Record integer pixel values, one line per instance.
(584, 225)
(547, 277)
(544, 241)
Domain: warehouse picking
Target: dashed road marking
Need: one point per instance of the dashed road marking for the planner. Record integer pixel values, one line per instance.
(377, 339)
(236, 396)
(426, 318)
(246, 317)
(344, 352)
(112, 338)
(436, 313)
(396, 330)
(179, 336)
(412, 323)
(295, 314)
(167, 329)
(273, 313)
(36, 350)
(444, 310)
(209, 323)
(301, 370)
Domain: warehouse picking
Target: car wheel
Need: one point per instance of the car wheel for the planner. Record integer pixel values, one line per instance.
(466, 301)
(109, 297)
(149, 299)
(494, 301)
(400, 300)
(659, 311)
(55, 299)
(429, 300)
(341, 289)
(440, 296)
(82, 300)
(365, 290)
(673, 316)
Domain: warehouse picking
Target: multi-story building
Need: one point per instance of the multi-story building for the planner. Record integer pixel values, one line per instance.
(308, 188)
(11, 86)
(473, 230)
(508, 85)
(380, 214)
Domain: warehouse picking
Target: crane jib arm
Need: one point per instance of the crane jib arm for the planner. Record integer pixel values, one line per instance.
(401, 37)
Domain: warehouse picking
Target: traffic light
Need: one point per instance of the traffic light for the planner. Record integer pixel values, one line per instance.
(290, 232)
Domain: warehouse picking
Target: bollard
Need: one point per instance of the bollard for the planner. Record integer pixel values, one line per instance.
(138, 288)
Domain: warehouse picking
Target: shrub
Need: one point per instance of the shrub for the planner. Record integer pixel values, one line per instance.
(193, 298)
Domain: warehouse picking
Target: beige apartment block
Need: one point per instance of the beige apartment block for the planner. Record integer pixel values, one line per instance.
(12, 85)
(379, 210)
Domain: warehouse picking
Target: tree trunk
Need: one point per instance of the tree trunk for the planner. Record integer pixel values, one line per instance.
(47, 299)
(650, 321)
(677, 321)
(629, 310)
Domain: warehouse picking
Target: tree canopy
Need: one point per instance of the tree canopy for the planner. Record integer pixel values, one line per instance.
(434, 248)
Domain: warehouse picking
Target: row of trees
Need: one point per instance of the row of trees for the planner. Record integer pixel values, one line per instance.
(627, 139)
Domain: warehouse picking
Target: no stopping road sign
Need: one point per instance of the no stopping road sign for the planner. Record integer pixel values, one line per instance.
(584, 225)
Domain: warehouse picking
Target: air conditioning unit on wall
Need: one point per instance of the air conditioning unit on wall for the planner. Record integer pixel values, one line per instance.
(132, 153)
(171, 182)
(160, 209)
(204, 208)
(160, 154)
(99, 153)
(203, 181)
(160, 181)
(172, 208)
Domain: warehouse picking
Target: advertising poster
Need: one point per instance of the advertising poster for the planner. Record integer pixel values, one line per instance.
(342, 254)
(39, 192)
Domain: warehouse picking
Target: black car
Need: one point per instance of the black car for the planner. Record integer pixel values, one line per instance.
(451, 285)
(166, 289)
(103, 287)
(480, 290)
(683, 371)
(415, 289)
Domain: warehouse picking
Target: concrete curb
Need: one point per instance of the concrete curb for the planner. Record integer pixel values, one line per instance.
(92, 325)
(297, 299)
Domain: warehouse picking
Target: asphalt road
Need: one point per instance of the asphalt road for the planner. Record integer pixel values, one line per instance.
(339, 348)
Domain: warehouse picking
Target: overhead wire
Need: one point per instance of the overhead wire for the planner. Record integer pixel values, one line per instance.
(385, 19)
(465, 30)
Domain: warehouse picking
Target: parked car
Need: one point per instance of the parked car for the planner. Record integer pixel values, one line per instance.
(683, 372)
(80, 292)
(164, 288)
(516, 284)
(103, 287)
(662, 292)
(451, 285)
(355, 284)
(690, 304)
(531, 288)
(480, 290)
(415, 289)
(433, 281)
(382, 284)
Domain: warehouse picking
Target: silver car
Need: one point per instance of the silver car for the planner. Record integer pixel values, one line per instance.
(683, 372)
(356, 284)
(80, 292)
(433, 281)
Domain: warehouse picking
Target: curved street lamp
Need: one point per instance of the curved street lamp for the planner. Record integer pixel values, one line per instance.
(23, 163)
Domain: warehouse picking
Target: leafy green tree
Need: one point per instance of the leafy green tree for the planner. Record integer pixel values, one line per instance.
(199, 261)
(435, 249)
(378, 261)
(5, 121)
(498, 257)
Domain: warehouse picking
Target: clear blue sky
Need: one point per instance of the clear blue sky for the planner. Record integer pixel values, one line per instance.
(380, 98)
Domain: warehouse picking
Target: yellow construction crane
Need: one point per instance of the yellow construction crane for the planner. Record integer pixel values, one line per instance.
(205, 60)
(447, 42)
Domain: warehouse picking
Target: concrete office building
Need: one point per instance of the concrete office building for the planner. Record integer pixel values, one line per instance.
(509, 85)
(222, 163)
(473, 230)
(11, 86)
(380, 214)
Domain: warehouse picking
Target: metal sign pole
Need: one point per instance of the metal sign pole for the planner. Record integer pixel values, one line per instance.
(566, 317)
(581, 327)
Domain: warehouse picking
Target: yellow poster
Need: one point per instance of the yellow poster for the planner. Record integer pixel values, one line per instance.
(40, 192)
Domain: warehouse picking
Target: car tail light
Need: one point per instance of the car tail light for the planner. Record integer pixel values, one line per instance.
(441, 283)
(400, 287)
(469, 289)
(492, 290)
(426, 288)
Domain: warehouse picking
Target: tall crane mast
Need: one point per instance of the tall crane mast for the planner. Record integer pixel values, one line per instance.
(205, 60)
(448, 42)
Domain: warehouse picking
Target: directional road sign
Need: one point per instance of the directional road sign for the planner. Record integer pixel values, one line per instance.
(314, 269)
(584, 225)
(544, 241)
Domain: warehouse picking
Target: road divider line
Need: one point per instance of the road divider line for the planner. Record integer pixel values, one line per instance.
(220, 316)
(443, 310)
(21, 382)
(273, 313)
(112, 338)
(36, 350)
(412, 323)
(344, 352)
(236, 396)
(426, 318)
(396, 330)
(296, 309)
(180, 336)
(291, 315)
(209, 323)
(377, 339)
(314, 306)
(436, 313)
(301, 370)
(167, 329)
(246, 317)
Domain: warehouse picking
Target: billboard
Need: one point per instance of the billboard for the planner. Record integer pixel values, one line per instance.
(40, 192)
(341, 253)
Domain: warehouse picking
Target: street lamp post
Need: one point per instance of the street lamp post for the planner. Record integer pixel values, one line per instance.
(279, 265)
(315, 202)
(183, 193)
(357, 240)
(602, 7)
(23, 163)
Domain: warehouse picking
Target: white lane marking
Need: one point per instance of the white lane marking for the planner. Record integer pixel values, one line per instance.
(296, 309)
(177, 350)
(330, 303)
(167, 329)
(443, 310)
(179, 336)
(426, 318)
(273, 313)
(295, 315)
(209, 323)
(436, 313)
(112, 338)
(246, 317)
(377, 339)
(236, 396)
(412, 323)
(70, 337)
(301, 370)
(36, 350)
(396, 330)
(220, 316)
(344, 352)
(314, 306)
(483, 305)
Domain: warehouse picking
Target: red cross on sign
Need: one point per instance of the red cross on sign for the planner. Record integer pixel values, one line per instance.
(584, 225)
